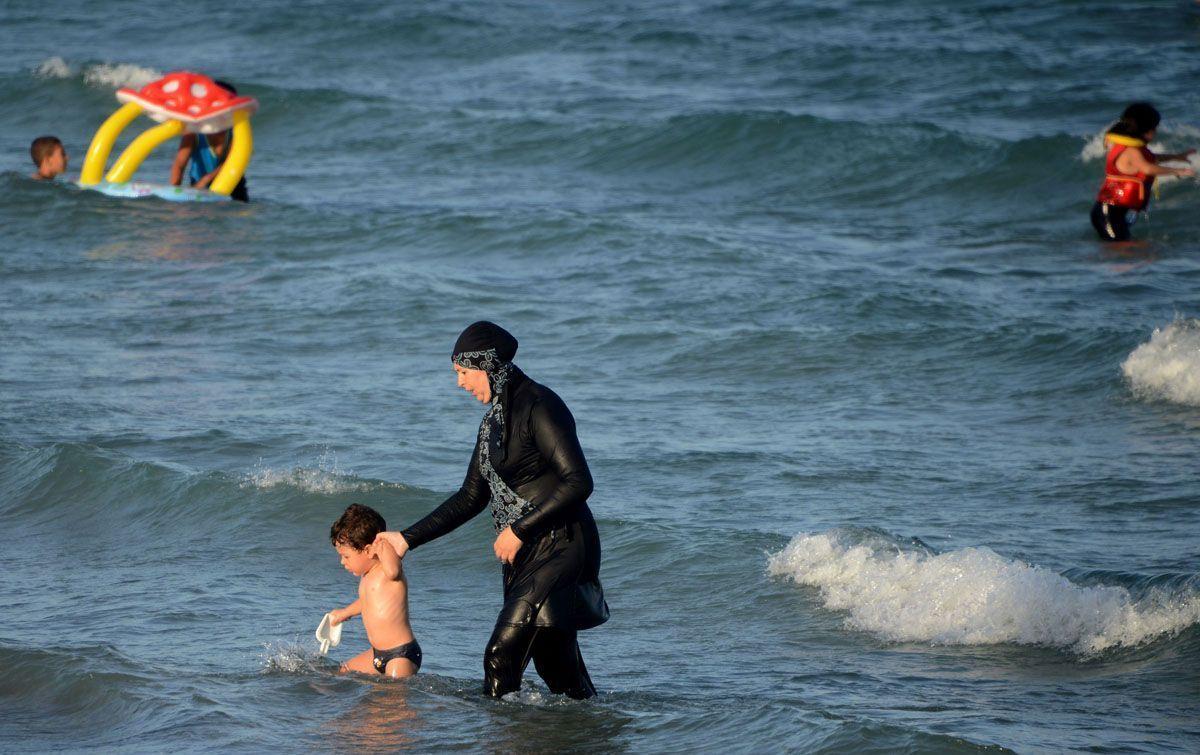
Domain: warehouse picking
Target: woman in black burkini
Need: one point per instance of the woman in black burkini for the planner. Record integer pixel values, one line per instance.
(529, 467)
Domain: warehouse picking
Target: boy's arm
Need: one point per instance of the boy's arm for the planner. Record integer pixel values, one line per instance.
(206, 179)
(339, 615)
(182, 155)
(389, 560)
(1175, 157)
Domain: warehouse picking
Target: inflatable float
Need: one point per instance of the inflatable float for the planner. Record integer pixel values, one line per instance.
(182, 102)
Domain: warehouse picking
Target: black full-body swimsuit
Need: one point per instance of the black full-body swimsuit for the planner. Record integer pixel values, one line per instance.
(552, 588)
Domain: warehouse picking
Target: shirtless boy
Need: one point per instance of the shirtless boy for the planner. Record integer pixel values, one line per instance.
(382, 595)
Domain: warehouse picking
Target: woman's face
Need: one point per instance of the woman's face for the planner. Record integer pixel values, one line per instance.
(474, 382)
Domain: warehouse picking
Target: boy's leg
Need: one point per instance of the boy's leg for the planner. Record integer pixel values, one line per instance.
(363, 663)
(558, 661)
(505, 658)
(399, 668)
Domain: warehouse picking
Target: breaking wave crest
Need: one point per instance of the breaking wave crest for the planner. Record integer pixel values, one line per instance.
(974, 596)
(1168, 365)
(98, 74)
(325, 477)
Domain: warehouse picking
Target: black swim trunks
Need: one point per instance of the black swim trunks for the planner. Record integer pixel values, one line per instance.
(409, 650)
(1112, 222)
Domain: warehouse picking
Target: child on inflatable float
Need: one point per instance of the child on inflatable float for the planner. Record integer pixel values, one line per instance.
(181, 102)
(202, 156)
(1129, 171)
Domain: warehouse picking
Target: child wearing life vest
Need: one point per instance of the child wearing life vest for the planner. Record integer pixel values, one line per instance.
(1129, 171)
(201, 155)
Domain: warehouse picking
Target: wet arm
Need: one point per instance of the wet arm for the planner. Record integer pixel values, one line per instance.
(1176, 157)
(554, 435)
(388, 560)
(468, 501)
(1132, 161)
(350, 611)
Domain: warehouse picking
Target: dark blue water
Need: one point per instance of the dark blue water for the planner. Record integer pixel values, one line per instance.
(890, 454)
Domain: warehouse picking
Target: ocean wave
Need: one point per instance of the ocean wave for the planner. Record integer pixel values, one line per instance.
(104, 75)
(88, 683)
(1168, 365)
(325, 477)
(47, 485)
(974, 596)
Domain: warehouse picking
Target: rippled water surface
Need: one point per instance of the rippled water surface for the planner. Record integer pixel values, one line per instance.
(890, 453)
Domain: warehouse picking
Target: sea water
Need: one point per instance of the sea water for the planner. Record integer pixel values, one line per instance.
(890, 453)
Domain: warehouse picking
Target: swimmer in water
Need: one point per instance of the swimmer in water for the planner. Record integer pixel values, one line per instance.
(1129, 172)
(201, 157)
(382, 595)
(49, 156)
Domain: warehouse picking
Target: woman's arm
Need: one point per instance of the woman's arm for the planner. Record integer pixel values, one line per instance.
(554, 435)
(468, 501)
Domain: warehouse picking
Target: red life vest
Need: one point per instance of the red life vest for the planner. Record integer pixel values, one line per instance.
(1129, 190)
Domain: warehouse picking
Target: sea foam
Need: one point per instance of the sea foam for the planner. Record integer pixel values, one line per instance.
(99, 74)
(325, 477)
(1168, 365)
(974, 596)
(290, 658)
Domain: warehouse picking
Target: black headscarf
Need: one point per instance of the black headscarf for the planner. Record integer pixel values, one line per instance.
(487, 346)
(483, 342)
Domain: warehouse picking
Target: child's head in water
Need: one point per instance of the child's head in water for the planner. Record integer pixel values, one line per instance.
(353, 533)
(1140, 121)
(49, 156)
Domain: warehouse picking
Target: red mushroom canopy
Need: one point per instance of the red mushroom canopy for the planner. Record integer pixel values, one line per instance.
(194, 99)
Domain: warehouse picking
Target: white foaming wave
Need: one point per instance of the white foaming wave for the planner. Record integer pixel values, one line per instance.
(1168, 365)
(974, 596)
(1094, 148)
(99, 74)
(119, 75)
(325, 477)
(289, 658)
(53, 68)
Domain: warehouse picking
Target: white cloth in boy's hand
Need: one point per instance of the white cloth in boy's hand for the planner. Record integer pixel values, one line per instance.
(328, 633)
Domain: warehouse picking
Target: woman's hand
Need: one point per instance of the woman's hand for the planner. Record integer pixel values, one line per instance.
(394, 539)
(506, 546)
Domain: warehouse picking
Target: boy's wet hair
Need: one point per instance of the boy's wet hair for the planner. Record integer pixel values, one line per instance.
(1138, 119)
(42, 147)
(357, 527)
